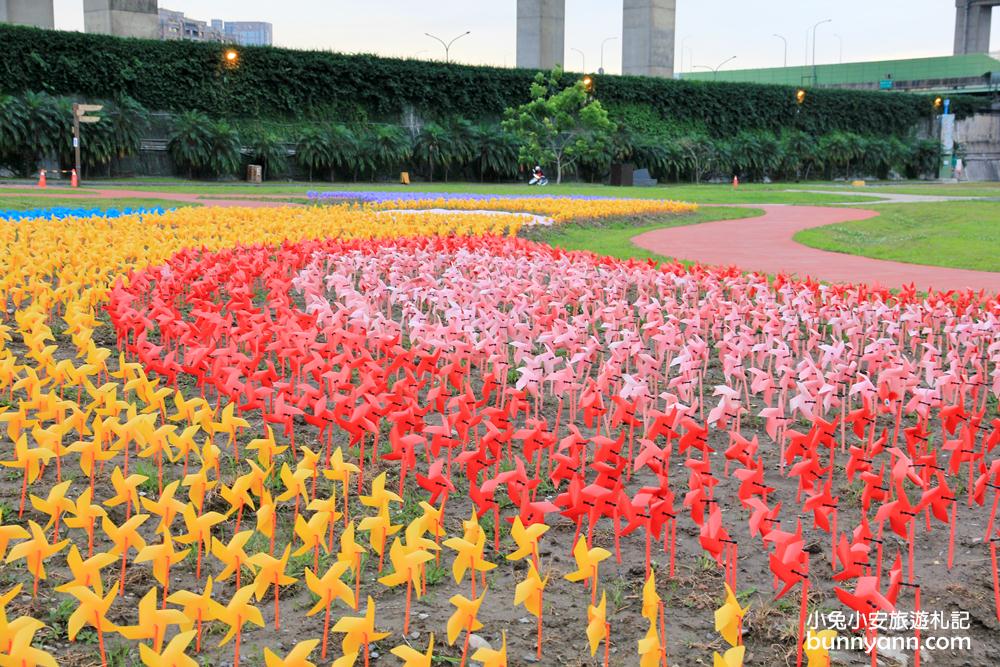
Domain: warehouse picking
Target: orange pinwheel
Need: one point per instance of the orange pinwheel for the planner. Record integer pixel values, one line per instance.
(329, 587)
(92, 610)
(297, 657)
(272, 573)
(154, 622)
(359, 631)
(414, 658)
(163, 556)
(35, 552)
(236, 614)
(587, 561)
(529, 593)
(174, 655)
(197, 607)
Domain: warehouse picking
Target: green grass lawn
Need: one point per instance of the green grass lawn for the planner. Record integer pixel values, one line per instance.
(24, 202)
(614, 238)
(963, 235)
(977, 189)
(752, 193)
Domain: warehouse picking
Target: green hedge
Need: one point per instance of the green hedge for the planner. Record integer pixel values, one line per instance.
(275, 83)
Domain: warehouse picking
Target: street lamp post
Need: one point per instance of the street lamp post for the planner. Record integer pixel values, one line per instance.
(447, 45)
(782, 38)
(583, 59)
(815, 71)
(606, 40)
(715, 70)
(840, 43)
(683, 43)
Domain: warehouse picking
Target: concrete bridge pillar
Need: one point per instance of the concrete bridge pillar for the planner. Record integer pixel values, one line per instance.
(541, 33)
(38, 13)
(972, 25)
(124, 18)
(648, 37)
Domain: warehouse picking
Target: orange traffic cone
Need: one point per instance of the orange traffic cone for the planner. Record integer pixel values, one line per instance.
(736, 181)
(74, 182)
(41, 178)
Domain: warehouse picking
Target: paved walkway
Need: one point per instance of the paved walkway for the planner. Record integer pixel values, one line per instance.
(891, 198)
(765, 244)
(212, 200)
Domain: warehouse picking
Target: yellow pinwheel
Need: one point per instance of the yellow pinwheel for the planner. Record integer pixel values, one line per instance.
(267, 517)
(407, 563)
(729, 617)
(92, 609)
(411, 657)
(199, 531)
(86, 572)
(9, 532)
(587, 561)
(198, 485)
(124, 538)
(817, 647)
(30, 460)
(35, 552)
(597, 623)
(174, 655)
(526, 539)
(21, 653)
(359, 631)
(650, 648)
(732, 658)
(297, 657)
(530, 593)
(233, 556)
(266, 448)
(313, 535)
(197, 607)
(469, 556)
(54, 505)
(238, 496)
(167, 507)
(163, 556)
(126, 490)
(84, 516)
(338, 470)
(379, 528)
(464, 618)
(154, 622)
(489, 657)
(329, 587)
(350, 553)
(236, 614)
(295, 487)
(272, 573)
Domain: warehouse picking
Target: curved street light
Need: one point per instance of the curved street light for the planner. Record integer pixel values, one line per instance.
(447, 45)
(782, 38)
(606, 40)
(583, 59)
(715, 69)
(817, 25)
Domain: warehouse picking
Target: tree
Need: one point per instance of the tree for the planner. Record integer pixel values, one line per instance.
(388, 146)
(433, 147)
(268, 150)
(496, 151)
(560, 126)
(191, 141)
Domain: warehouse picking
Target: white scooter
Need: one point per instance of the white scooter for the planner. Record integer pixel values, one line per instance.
(537, 177)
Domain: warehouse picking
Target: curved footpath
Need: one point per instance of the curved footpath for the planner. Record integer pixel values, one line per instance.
(765, 244)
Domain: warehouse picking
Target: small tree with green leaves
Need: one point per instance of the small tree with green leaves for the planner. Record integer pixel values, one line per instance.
(560, 126)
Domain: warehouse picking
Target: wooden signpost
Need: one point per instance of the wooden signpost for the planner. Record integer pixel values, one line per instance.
(80, 112)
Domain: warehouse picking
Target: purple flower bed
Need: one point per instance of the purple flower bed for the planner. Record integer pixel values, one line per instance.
(376, 197)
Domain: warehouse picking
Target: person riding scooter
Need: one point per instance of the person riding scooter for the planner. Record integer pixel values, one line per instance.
(538, 177)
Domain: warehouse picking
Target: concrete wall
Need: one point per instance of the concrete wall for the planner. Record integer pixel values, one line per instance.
(979, 139)
(541, 33)
(124, 18)
(38, 13)
(648, 37)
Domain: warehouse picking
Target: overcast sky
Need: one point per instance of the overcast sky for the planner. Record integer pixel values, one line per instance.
(711, 30)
